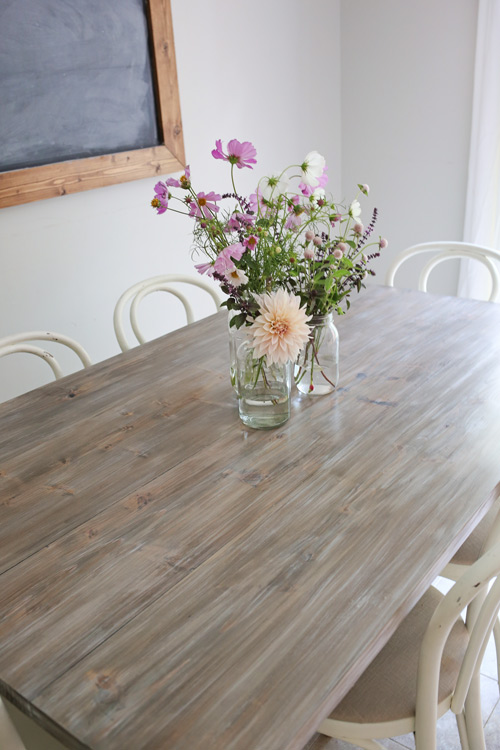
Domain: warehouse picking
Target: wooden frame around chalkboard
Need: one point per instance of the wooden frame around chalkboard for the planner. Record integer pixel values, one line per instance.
(51, 180)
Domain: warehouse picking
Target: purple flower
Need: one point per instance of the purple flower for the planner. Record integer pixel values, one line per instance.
(160, 201)
(182, 182)
(241, 154)
(204, 206)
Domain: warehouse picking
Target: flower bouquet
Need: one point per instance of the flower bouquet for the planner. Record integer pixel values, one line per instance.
(286, 257)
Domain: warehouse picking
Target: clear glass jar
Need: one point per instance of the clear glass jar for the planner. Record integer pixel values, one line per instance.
(264, 390)
(317, 366)
(236, 337)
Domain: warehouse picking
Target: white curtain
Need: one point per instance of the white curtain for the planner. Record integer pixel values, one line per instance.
(482, 210)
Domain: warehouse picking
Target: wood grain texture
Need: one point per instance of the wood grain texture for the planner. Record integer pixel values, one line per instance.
(171, 579)
(52, 180)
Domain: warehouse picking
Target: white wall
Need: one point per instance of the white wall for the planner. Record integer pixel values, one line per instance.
(382, 89)
(268, 73)
(407, 76)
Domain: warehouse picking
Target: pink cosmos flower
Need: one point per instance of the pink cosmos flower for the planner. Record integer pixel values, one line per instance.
(239, 221)
(251, 242)
(295, 216)
(224, 261)
(184, 181)
(160, 201)
(233, 251)
(281, 330)
(205, 268)
(205, 206)
(253, 202)
(241, 154)
(257, 203)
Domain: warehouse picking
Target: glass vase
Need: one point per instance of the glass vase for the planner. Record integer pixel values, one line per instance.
(264, 389)
(236, 337)
(317, 366)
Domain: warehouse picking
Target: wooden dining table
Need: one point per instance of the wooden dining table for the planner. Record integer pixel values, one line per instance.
(173, 580)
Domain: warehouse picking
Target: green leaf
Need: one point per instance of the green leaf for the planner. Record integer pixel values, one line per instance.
(238, 320)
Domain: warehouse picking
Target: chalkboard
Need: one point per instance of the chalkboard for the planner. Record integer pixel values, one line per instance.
(88, 95)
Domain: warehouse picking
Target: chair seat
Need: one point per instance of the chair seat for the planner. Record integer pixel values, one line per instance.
(386, 691)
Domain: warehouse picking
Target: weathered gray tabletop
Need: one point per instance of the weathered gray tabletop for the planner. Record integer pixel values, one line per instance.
(173, 580)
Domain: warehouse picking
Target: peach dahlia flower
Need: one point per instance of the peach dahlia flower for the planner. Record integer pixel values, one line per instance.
(281, 330)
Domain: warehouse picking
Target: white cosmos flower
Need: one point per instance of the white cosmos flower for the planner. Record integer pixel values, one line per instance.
(312, 168)
(355, 210)
(270, 187)
(236, 276)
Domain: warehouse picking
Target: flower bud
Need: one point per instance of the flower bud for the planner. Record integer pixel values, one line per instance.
(383, 243)
(342, 246)
(337, 253)
(309, 253)
(358, 227)
(317, 241)
(309, 235)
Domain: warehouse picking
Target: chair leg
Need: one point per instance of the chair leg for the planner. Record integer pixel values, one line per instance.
(473, 718)
(496, 635)
(9, 738)
(462, 731)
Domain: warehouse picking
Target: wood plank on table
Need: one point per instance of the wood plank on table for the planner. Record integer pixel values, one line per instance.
(192, 599)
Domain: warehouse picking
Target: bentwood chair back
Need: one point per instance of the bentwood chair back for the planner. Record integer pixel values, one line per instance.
(429, 666)
(141, 289)
(22, 342)
(485, 535)
(443, 251)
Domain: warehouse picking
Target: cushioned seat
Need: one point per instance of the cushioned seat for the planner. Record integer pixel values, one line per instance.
(430, 665)
(386, 691)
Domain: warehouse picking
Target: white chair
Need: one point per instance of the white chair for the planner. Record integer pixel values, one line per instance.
(138, 291)
(485, 535)
(429, 666)
(447, 251)
(19, 342)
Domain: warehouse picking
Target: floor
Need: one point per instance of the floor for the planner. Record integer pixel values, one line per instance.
(447, 734)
